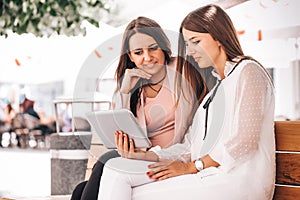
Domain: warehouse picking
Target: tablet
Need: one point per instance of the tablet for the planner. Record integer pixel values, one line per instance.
(106, 122)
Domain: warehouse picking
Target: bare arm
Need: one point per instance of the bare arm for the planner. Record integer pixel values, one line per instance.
(167, 169)
(209, 162)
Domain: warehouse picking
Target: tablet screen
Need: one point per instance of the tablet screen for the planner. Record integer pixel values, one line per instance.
(106, 122)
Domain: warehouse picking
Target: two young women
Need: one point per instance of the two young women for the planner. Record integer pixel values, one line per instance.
(229, 152)
(146, 85)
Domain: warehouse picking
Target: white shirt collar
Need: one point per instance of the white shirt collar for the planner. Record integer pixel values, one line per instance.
(229, 65)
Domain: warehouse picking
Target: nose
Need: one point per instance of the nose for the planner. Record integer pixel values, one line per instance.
(147, 55)
(190, 50)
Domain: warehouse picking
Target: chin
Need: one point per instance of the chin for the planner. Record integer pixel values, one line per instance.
(201, 65)
(204, 64)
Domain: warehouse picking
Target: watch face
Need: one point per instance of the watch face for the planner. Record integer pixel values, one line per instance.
(199, 165)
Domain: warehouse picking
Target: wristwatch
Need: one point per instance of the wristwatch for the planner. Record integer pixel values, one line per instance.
(199, 165)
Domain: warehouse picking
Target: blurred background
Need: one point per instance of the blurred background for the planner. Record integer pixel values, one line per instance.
(47, 66)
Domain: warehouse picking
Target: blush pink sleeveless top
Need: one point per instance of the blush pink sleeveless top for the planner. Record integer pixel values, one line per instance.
(160, 118)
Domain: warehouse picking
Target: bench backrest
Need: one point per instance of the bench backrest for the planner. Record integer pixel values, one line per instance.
(287, 134)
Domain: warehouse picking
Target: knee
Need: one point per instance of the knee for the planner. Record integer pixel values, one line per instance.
(112, 168)
(104, 158)
(107, 156)
(77, 192)
(98, 165)
(111, 165)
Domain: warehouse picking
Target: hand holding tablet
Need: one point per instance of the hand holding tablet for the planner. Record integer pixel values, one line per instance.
(107, 122)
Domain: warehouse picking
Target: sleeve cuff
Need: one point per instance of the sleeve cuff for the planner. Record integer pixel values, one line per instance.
(221, 156)
(155, 149)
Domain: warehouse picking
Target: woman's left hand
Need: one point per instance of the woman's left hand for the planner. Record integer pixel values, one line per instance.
(167, 169)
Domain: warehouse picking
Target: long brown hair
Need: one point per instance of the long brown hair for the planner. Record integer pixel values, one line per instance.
(213, 20)
(149, 27)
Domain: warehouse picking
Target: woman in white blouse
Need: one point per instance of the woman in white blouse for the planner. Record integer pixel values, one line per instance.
(230, 150)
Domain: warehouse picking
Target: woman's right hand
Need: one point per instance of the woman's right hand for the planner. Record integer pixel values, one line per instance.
(131, 77)
(125, 146)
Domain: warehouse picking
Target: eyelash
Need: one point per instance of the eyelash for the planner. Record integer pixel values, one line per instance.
(196, 42)
(138, 52)
(153, 48)
(193, 42)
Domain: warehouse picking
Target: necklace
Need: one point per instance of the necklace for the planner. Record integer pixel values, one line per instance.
(153, 84)
(163, 78)
(155, 90)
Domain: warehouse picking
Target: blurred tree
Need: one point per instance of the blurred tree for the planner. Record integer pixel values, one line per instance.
(45, 17)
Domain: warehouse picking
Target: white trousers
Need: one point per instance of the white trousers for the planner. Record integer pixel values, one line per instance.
(125, 179)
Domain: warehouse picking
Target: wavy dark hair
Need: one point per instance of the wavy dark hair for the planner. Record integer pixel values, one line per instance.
(149, 27)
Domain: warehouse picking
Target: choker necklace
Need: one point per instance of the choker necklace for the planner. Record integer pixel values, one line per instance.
(155, 90)
(163, 78)
(153, 84)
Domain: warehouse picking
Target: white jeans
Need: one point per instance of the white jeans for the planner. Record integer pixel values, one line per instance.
(125, 179)
(120, 176)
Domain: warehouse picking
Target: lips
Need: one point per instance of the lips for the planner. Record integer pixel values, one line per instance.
(149, 65)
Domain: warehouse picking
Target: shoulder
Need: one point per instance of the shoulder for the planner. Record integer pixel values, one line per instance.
(251, 66)
(252, 70)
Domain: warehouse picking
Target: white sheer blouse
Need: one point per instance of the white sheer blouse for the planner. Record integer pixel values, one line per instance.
(240, 135)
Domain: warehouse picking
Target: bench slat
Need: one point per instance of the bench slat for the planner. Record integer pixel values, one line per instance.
(287, 168)
(287, 135)
(286, 193)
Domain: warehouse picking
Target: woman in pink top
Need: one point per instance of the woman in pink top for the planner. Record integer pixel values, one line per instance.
(145, 85)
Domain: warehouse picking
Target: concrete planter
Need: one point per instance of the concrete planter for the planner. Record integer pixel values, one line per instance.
(69, 157)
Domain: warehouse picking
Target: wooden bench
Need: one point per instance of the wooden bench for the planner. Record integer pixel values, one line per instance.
(287, 134)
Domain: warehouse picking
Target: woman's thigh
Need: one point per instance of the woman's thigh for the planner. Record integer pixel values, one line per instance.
(191, 186)
(135, 170)
(120, 175)
(127, 179)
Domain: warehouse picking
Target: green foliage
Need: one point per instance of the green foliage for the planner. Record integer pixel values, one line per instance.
(45, 17)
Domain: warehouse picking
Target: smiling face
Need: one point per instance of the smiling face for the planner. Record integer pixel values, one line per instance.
(146, 54)
(202, 47)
